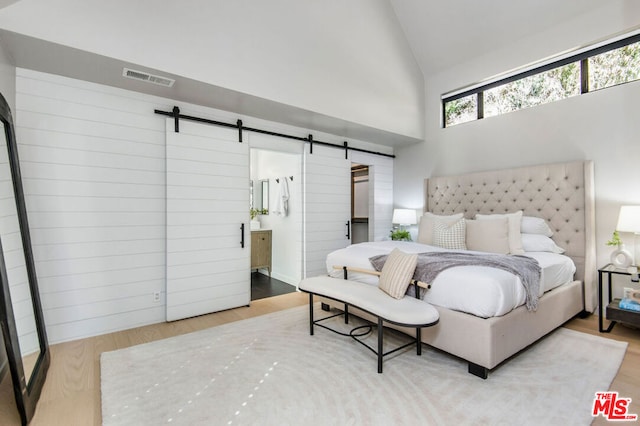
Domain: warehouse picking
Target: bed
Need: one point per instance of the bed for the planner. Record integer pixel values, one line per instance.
(487, 334)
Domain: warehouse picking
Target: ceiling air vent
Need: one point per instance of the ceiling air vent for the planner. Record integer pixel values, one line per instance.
(149, 78)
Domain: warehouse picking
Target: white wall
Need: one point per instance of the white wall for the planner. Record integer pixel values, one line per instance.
(601, 126)
(348, 60)
(93, 168)
(286, 232)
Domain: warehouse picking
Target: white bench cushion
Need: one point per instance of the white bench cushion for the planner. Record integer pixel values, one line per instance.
(406, 311)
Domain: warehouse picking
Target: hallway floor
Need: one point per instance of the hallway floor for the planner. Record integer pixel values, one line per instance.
(263, 286)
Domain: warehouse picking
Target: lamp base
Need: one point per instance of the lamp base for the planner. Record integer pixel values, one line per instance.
(621, 258)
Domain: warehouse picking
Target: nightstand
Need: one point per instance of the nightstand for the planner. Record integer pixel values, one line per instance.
(611, 310)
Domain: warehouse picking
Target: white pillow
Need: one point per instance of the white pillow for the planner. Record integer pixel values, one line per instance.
(537, 242)
(490, 236)
(515, 220)
(535, 225)
(450, 236)
(425, 230)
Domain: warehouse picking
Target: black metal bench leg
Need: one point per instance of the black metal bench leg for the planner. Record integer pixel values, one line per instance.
(380, 353)
(311, 314)
(419, 340)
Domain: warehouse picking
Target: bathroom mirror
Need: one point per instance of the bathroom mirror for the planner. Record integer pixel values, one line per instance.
(264, 185)
(21, 316)
(260, 195)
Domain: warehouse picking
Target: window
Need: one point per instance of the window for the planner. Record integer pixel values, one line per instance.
(553, 85)
(593, 69)
(461, 110)
(614, 67)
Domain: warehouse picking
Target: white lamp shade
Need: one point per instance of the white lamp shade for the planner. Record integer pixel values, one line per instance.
(629, 219)
(404, 217)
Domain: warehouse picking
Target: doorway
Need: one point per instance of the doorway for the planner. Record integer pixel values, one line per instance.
(276, 226)
(360, 203)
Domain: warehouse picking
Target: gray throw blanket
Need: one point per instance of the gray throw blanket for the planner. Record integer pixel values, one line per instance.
(431, 264)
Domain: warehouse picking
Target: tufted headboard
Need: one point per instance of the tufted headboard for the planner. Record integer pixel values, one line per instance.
(562, 194)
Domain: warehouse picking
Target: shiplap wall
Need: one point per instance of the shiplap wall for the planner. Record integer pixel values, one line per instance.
(14, 258)
(93, 169)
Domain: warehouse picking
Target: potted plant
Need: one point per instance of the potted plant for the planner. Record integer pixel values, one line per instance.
(400, 235)
(253, 213)
(615, 240)
(620, 257)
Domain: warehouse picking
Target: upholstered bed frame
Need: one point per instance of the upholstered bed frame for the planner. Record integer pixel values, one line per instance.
(562, 194)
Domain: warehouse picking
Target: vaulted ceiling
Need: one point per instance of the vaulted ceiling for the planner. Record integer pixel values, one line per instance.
(355, 69)
(343, 68)
(445, 33)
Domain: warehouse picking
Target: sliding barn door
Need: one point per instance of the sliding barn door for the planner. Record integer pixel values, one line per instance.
(327, 206)
(208, 269)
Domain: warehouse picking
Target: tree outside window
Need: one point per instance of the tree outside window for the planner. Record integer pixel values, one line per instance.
(613, 67)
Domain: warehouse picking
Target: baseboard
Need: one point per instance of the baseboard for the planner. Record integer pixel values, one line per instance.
(284, 278)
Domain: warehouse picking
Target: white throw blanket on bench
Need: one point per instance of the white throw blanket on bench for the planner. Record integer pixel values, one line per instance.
(431, 264)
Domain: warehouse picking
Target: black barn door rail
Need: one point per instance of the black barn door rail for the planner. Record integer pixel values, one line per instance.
(175, 114)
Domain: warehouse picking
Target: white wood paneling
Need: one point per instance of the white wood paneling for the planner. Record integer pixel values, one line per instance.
(327, 205)
(207, 269)
(93, 170)
(93, 162)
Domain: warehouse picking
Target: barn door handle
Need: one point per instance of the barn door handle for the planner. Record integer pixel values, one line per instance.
(348, 230)
(242, 235)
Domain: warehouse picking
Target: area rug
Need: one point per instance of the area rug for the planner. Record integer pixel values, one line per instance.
(268, 370)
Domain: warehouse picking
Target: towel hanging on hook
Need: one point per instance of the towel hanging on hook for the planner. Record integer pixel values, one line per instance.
(282, 199)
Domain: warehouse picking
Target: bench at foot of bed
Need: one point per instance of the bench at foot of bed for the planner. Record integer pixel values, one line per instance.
(407, 312)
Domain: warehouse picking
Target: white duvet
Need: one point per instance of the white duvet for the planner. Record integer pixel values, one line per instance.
(478, 290)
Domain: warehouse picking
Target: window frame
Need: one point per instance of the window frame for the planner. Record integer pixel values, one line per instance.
(581, 57)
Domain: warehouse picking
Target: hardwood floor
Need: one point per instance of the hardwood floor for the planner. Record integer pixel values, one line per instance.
(71, 395)
(627, 381)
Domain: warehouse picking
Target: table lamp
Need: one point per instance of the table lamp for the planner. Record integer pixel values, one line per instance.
(405, 217)
(629, 221)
